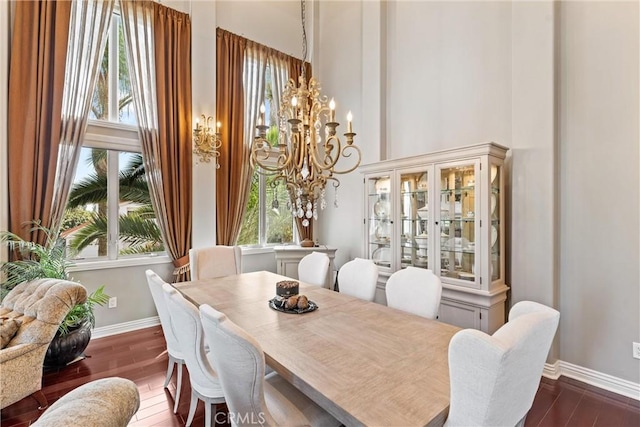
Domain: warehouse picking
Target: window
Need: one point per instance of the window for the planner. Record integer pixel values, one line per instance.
(109, 213)
(267, 219)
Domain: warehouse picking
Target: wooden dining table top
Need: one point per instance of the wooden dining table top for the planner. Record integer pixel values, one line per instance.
(365, 363)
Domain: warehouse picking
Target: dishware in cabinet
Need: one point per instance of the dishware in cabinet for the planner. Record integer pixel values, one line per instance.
(378, 220)
(414, 221)
(457, 224)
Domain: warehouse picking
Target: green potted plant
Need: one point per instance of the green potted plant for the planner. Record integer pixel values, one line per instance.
(51, 260)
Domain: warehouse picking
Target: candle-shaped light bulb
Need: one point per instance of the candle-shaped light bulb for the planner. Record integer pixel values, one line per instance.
(332, 110)
(349, 118)
(197, 124)
(218, 126)
(262, 110)
(260, 121)
(294, 104)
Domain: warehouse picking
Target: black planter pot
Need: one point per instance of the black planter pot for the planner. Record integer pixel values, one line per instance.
(64, 349)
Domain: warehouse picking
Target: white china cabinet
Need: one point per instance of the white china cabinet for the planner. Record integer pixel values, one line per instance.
(443, 211)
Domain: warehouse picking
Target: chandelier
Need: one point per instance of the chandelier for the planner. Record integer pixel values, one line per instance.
(206, 141)
(308, 147)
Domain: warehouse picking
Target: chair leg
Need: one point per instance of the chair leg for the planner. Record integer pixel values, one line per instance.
(175, 405)
(192, 408)
(42, 400)
(207, 414)
(172, 362)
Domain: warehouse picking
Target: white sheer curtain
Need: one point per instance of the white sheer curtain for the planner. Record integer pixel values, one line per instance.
(88, 31)
(279, 67)
(255, 65)
(137, 22)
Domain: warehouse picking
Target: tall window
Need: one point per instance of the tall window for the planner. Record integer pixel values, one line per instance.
(267, 219)
(109, 213)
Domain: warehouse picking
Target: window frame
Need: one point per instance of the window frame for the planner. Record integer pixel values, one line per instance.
(262, 212)
(115, 137)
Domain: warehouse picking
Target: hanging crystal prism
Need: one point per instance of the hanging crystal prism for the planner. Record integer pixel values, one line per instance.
(335, 201)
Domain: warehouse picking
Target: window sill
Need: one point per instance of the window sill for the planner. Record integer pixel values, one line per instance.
(119, 263)
(257, 250)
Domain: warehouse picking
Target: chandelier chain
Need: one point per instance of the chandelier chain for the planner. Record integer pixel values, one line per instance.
(304, 35)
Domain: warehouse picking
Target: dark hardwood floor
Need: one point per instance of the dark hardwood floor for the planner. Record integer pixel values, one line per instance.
(140, 356)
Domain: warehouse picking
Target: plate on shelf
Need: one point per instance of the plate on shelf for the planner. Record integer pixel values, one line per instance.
(381, 209)
(494, 235)
(382, 256)
(494, 203)
(467, 276)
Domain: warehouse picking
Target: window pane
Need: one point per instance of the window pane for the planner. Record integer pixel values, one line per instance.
(100, 104)
(86, 222)
(249, 231)
(126, 113)
(137, 226)
(112, 98)
(84, 225)
(279, 218)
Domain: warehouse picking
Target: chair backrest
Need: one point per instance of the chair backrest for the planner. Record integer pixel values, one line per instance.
(358, 278)
(216, 261)
(239, 361)
(494, 379)
(414, 290)
(106, 402)
(186, 321)
(314, 268)
(155, 286)
(42, 305)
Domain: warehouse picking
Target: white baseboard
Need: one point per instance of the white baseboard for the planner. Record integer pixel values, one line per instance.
(121, 328)
(591, 377)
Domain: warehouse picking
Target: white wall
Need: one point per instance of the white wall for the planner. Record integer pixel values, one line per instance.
(600, 186)
(559, 85)
(449, 75)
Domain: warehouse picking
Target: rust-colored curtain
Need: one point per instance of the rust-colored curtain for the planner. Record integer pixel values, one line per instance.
(172, 38)
(234, 176)
(159, 56)
(36, 82)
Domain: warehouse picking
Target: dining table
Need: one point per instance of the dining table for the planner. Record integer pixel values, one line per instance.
(363, 362)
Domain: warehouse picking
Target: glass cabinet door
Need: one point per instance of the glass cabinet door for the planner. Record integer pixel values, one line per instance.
(457, 204)
(495, 214)
(414, 220)
(379, 220)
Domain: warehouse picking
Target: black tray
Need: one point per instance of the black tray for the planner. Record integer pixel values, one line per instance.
(278, 305)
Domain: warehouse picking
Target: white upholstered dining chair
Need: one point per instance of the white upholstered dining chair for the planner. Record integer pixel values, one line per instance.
(173, 346)
(314, 268)
(205, 384)
(216, 261)
(251, 397)
(358, 278)
(414, 290)
(494, 379)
